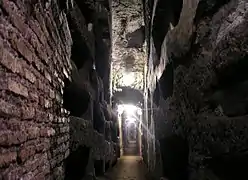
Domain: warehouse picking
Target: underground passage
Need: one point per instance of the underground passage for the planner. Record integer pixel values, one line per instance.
(123, 89)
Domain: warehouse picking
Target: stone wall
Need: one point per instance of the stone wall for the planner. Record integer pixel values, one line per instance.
(202, 104)
(35, 48)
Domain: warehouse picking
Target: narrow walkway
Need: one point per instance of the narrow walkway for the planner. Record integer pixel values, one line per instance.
(127, 168)
(131, 149)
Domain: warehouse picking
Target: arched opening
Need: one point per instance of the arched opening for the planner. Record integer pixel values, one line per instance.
(75, 98)
(174, 152)
(75, 164)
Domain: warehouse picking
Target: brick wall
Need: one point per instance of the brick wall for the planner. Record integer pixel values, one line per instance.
(35, 45)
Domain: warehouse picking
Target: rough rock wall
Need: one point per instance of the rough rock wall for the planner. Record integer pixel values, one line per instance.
(206, 110)
(92, 149)
(128, 51)
(35, 47)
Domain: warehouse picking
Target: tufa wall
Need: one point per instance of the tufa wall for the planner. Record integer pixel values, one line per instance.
(201, 95)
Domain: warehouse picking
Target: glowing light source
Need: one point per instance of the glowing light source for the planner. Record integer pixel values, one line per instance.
(130, 120)
(129, 109)
(128, 79)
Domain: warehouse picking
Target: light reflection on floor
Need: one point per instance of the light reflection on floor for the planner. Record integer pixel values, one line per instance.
(127, 168)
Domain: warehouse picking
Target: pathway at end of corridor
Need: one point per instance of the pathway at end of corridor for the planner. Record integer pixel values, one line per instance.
(128, 168)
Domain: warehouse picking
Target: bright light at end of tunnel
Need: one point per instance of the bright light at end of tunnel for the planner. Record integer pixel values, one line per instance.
(130, 120)
(128, 79)
(129, 109)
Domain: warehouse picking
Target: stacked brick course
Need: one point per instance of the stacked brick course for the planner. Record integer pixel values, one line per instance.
(35, 48)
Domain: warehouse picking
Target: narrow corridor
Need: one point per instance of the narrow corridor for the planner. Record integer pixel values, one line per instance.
(127, 168)
(123, 89)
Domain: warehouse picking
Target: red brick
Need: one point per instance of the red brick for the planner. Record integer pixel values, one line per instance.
(37, 29)
(51, 27)
(18, 42)
(44, 146)
(41, 116)
(13, 124)
(58, 97)
(60, 140)
(38, 65)
(64, 129)
(45, 168)
(26, 152)
(33, 96)
(17, 88)
(8, 138)
(50, 117)
(29, 75)
(47, 103)
(16, 17)
(10, 62)
(7, 158)
(13, 172)
(24, 49)
(33, 132)
(7, 109)
(28, 176)
(41, 21)
(40, 85)
(18, 21)
(38, 46)
(35, 162)
(28, 112)
(40, 176)
(47, 132)
(48, 76)
(51, 94)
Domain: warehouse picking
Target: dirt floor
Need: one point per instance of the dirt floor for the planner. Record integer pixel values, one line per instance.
(127, 168)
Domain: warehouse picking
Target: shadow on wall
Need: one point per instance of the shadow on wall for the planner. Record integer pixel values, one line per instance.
(98, 118)
(166, 81)
(99, 167)
(76, 99)
(175, 153)
(167, 12)
(136, 39)
(229, 166)
(75, 164)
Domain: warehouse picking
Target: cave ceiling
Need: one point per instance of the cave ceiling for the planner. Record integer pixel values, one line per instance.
(128, 44)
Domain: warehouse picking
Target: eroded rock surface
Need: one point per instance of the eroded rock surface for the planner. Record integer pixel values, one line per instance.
(204, 96)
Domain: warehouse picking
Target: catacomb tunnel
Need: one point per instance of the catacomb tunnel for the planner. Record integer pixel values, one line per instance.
(123, 89)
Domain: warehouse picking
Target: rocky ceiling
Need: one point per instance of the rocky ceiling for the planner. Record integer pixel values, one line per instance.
(128, 44)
